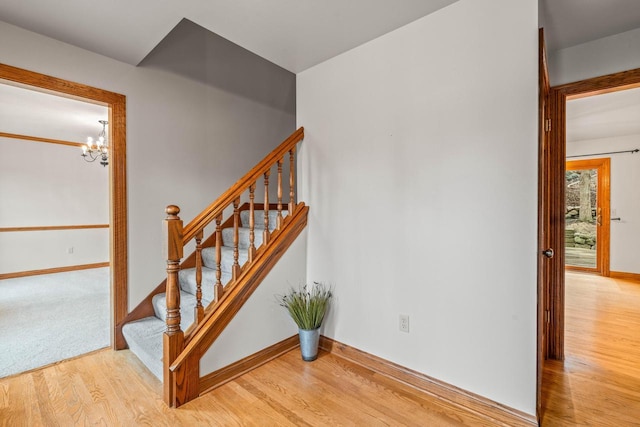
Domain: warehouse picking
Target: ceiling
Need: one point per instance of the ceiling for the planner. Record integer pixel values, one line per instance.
(297, 34)
(609, 115)
(294, 34)
(572, 22)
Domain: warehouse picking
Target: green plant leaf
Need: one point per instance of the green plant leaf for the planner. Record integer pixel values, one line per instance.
(307, 305)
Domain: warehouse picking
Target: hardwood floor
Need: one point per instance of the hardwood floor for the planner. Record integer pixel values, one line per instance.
(598, 384)
(114, 389)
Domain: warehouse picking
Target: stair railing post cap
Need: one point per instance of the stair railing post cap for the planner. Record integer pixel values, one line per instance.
(172, 210)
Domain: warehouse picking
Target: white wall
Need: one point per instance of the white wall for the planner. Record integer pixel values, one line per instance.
(186, 142)
(49, 185)
(625, 196)
(420, 167)
(620, 52)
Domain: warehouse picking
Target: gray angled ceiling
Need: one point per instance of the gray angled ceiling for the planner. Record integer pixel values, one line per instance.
(294, 34)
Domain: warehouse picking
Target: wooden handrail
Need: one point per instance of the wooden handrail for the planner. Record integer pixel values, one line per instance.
(216, 208)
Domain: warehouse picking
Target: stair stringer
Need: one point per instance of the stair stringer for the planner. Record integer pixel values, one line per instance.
(184, 374)
(261, 322)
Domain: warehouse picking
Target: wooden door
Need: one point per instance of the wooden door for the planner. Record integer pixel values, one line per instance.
(543, 215)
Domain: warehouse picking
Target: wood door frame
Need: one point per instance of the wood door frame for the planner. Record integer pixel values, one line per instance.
(558, 97)
(603, 237)
(117, 176)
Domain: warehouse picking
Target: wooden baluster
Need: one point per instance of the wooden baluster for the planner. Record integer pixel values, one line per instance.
(266, 233)
(173, 338)
(292, 202)
(279, 217)
(235, 270)
(199, 309)
(252, 246)
(218, 289)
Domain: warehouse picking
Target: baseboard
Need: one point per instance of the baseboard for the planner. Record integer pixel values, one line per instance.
(53, 270)
(495, 413)
(249, 363)
(635, 277)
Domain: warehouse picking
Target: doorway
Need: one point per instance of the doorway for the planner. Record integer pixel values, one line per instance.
(557, 113)
(587, 201)
(116, 104)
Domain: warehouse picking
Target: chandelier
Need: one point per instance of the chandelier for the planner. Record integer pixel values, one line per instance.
(98, 149)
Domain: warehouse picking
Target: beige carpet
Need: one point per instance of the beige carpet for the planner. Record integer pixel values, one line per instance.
(48, 318)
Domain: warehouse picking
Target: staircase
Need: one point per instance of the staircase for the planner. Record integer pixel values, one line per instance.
(144, 336)
(174, 326)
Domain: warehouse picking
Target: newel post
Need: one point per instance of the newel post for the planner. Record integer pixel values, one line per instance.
(173, 337)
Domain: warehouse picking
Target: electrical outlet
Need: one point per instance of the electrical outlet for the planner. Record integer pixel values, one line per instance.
(404, 323)
(70, 250)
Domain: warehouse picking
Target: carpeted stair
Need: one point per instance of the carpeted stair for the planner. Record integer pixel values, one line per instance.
(144, 336)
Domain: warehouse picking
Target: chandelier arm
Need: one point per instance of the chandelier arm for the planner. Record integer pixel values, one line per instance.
(90, 155)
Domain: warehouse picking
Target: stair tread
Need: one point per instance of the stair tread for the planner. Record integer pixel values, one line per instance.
(226, 264)
(187, 279)
(243, 237)
(144, 338)
(187, 305)
(258, 216)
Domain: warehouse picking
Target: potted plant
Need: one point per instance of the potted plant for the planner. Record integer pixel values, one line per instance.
(307, 306)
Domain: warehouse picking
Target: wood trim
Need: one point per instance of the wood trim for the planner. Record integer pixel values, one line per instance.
(249, 363)
(495, 413)
(117, 174)
(53, 270)
(52, 228)
(40, 139)
(634, 277)
(227, 198)
(599, 85)
(119, 242)
(603, 232)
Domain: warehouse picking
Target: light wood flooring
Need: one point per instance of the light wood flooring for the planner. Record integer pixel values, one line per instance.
(113, 389)
(598, 384)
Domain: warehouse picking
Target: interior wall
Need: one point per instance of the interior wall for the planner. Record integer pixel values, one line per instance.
(420, 165)
(600, 57)
(187, 141)
(625, 196)
(49, 185)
